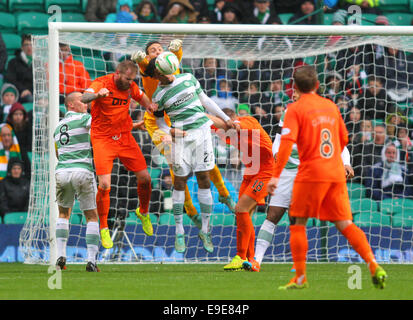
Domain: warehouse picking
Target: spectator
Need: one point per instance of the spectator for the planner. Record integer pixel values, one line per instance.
(231, 14)
(246, 73)
(243, 109)
(3, 56)
(262, 13)
(147, 12)
(19, 121)
(396, 68)
(387, 178)
(180, 11)
(306, 10)
(276, 95)
(343, 103)
(334, 85)
(393, 122)
(98, 10)
(14, 189)
(405, 142)
(375, 103)
(9, 148)
(124, 13)
(352, 121)
(254, 98)
(9, 95)
(200, 6)
(73, 75)
(356, 82)
(367, 6)
(216, 13)
(20, 71)
(224, 97)
(365, 135)
(208, 74)
(365, 155)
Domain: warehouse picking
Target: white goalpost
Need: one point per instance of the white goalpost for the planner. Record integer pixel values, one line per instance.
(275, 51)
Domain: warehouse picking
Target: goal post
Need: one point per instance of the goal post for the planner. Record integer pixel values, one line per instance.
(231, 44)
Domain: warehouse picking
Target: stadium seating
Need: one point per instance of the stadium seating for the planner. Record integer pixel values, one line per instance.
(15, 217)
(168, 219)
(76, 218)
(363, 205)
(400, 18)
(402, 220)
(356, 190)
(26, 5)
(73, 17)
(394, 5)
(258, 218)
(222, 219)
(371, 219)
(396, 206)
(285, 17)
(13, 42)
(32, 22)
(65, 5)
(7, 23)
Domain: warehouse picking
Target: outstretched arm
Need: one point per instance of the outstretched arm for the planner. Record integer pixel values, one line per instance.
(88, 97)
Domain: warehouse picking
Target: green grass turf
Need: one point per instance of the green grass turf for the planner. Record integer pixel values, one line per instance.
(198, 282)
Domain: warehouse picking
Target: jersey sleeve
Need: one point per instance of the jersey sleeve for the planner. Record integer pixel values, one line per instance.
(290, 125)
(136, 92)
(95, 86)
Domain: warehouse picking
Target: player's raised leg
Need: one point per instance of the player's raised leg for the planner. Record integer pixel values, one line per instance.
(357, 239)
(144, 194)
(103, 205)
(224, 196)
(205, 202)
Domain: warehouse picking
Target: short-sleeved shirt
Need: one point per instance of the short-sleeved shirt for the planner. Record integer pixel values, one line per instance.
(181, 103)
(72, 141)
(110, 115)
(314, 123)
(255, 146)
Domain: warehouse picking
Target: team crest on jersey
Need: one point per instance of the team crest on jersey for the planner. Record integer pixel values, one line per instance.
(187, 83)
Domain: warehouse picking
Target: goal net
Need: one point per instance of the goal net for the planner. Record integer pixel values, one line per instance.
(368, 75)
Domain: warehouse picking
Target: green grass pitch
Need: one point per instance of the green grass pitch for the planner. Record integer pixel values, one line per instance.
(198, 282)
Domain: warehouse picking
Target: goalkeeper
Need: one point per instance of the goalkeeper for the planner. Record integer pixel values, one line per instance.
(75, 177)
(159, 138)
(182, 98)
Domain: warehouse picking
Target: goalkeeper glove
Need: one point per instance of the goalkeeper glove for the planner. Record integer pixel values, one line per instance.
(175, 45)
(138, 56)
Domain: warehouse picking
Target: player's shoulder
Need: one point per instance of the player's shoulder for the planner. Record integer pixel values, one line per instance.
(248, 121)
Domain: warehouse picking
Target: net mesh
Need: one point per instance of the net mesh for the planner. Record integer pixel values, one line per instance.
(369, 78)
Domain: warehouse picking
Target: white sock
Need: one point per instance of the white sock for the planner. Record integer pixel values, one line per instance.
(205, 202)
(178, 199)
(62, 234)
(264, 239)
(92, 241)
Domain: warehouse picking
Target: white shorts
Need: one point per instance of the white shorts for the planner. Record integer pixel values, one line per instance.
(79, 184)
(193, 153)
(284, 190)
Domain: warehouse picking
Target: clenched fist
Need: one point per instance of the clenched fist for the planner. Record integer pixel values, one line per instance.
(138, 56)
(175, 45)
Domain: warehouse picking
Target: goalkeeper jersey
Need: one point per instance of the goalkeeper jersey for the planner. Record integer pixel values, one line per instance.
(72, 142)
(181, 103)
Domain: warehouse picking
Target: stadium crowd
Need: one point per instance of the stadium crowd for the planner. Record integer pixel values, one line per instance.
(371, 84)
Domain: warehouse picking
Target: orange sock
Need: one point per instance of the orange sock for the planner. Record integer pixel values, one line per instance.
(251, 244)
(357, 239)
(299, 248)
(244, 224)
(103, 204)
(144, 195)
(216, 178)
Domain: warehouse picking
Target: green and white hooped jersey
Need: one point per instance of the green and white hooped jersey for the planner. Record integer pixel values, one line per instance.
(293, 160)
(181, 103)
(72, 141)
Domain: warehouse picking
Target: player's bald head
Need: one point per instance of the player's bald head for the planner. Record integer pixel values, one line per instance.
(71, 97)
(126, 65)
(305, 79)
